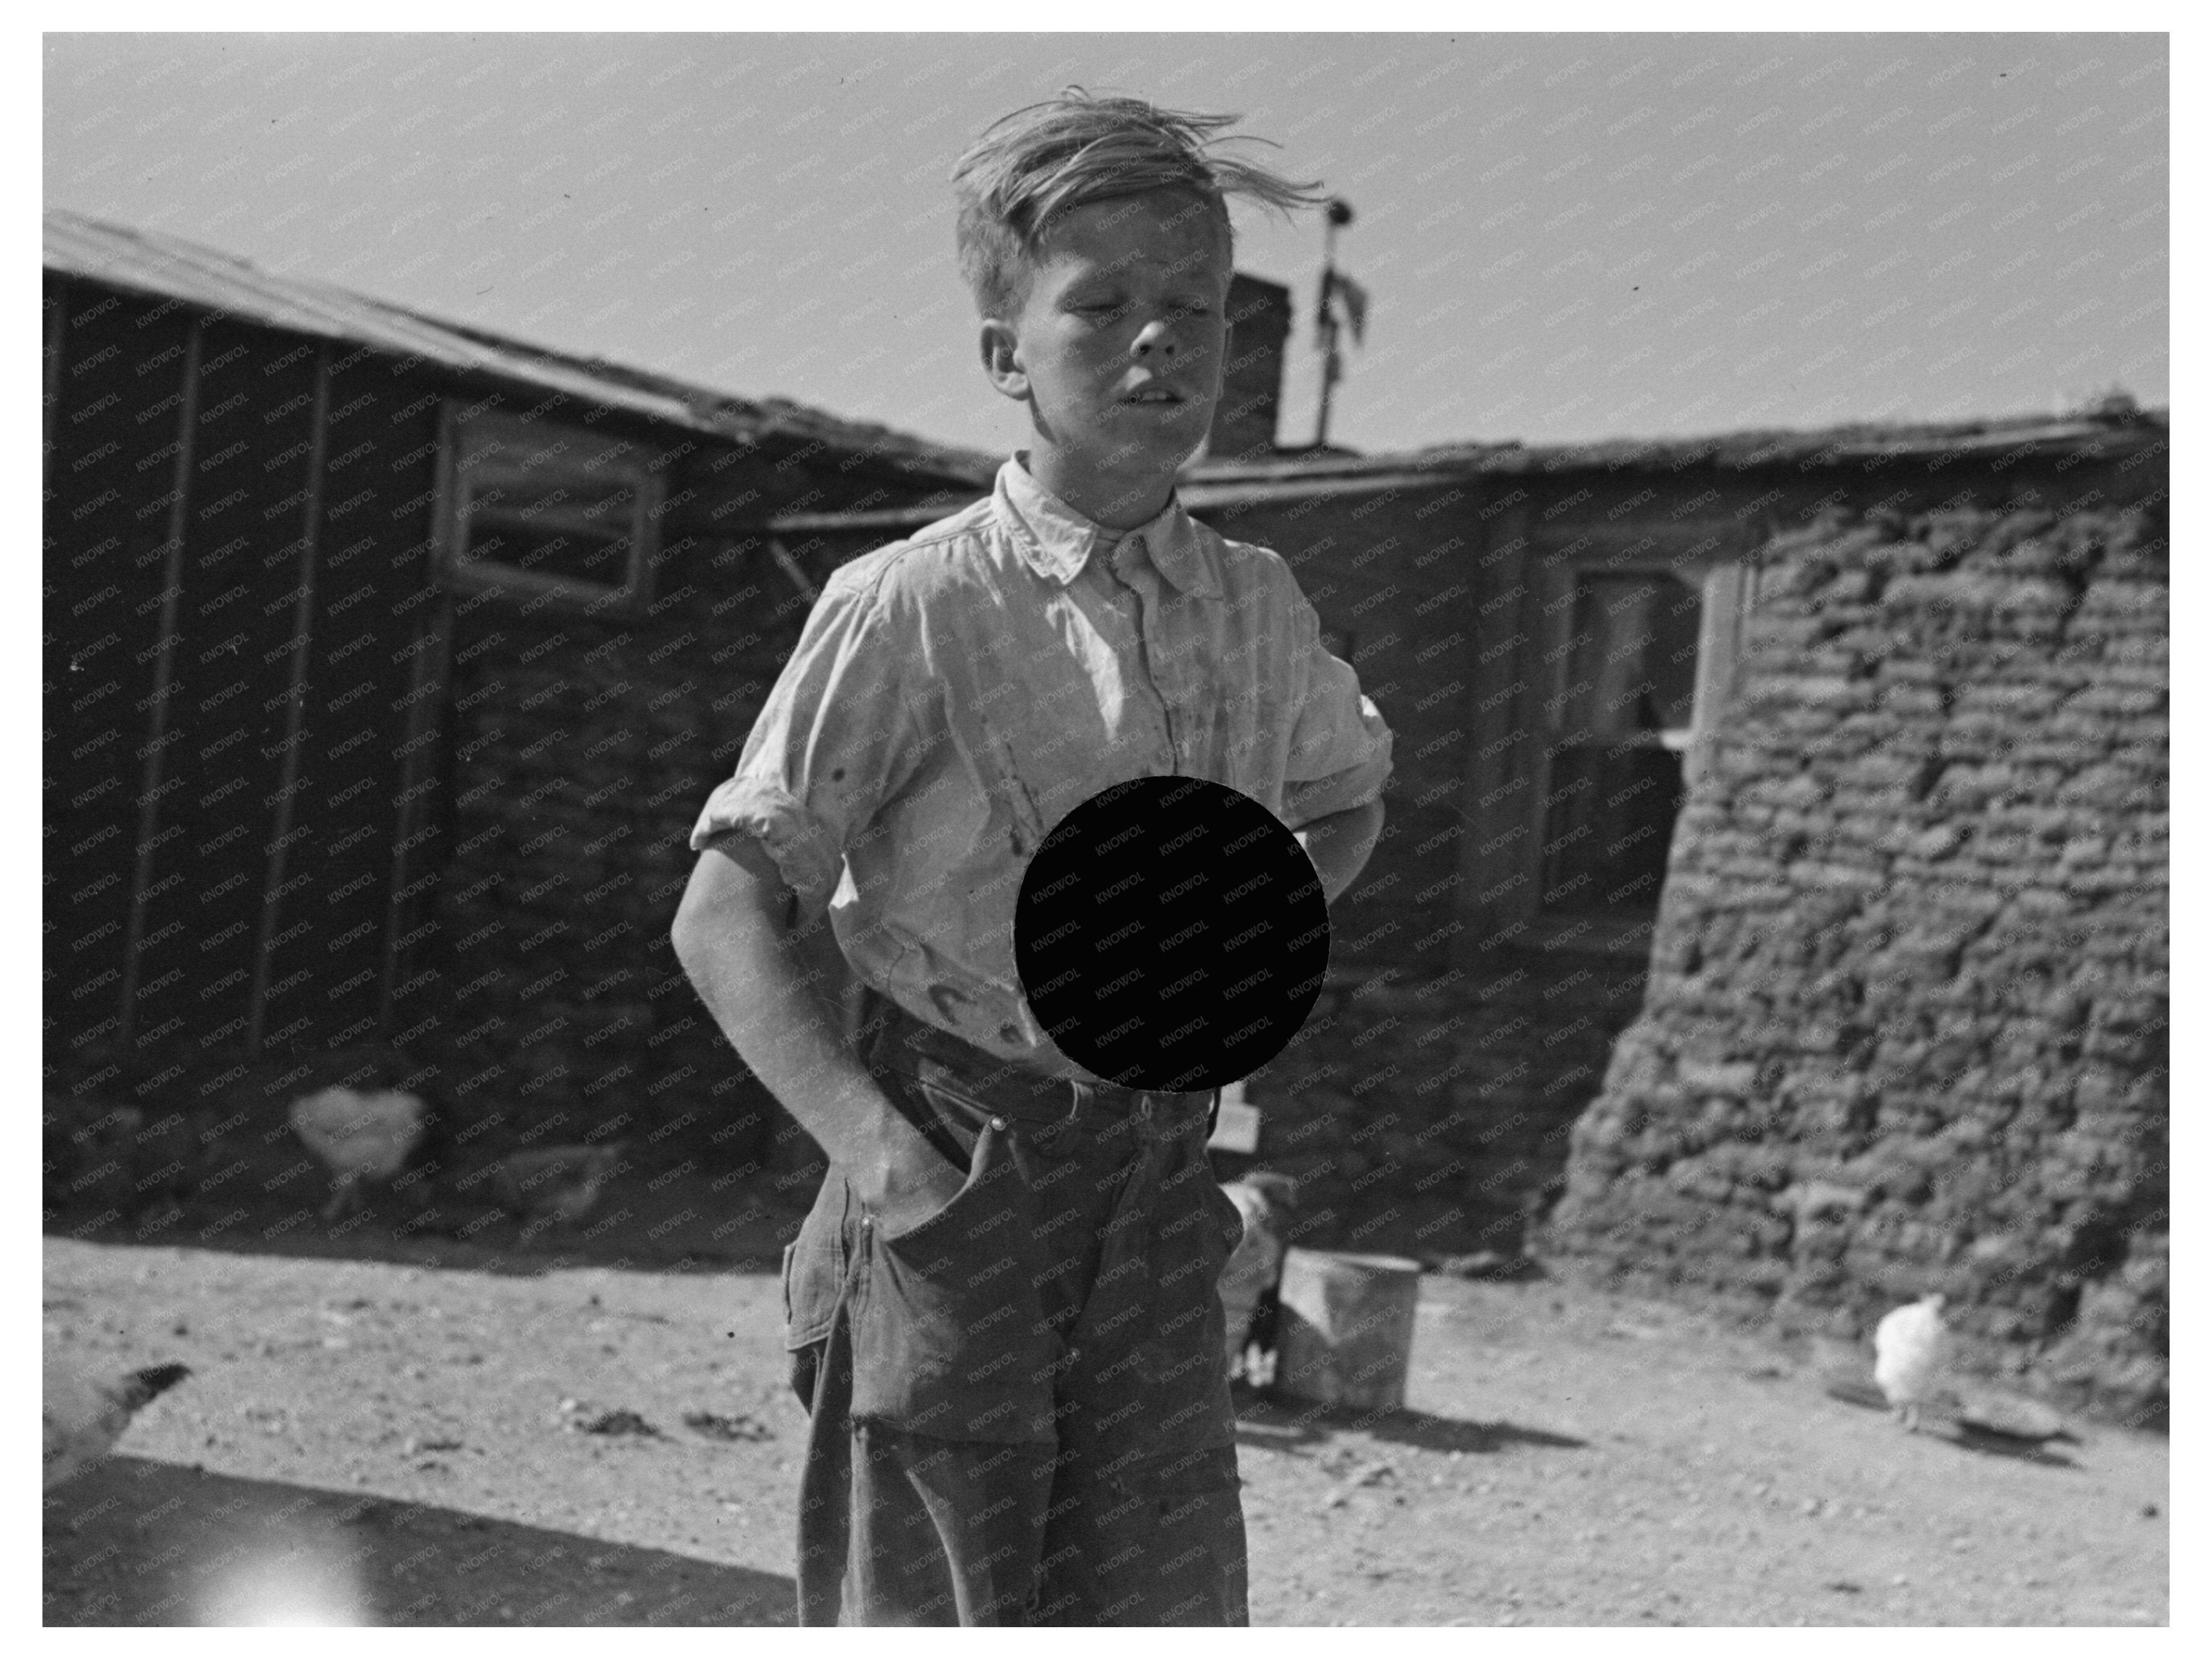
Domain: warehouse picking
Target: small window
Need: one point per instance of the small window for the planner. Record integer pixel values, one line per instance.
(544, 509)
(1633, 667)
(1623, 724)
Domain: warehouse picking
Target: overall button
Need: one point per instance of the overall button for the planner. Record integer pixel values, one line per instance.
(999, 1124)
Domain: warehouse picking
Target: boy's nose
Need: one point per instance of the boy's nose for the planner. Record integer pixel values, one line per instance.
(1155, 334)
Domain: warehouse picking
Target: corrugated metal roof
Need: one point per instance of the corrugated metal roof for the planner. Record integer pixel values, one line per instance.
(174, 268)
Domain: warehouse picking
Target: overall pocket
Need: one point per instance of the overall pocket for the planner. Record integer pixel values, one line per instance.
(815, 1264)
(948, 1333)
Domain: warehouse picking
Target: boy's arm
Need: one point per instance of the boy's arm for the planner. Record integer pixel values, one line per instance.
(1339, 844)
(730, 935)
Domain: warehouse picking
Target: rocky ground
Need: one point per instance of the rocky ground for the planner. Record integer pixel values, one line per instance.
(597, 1430)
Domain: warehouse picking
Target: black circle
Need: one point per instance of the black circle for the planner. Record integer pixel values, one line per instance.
(1171, 934)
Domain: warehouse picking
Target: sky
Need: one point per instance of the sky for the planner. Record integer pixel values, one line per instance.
(1564, 237)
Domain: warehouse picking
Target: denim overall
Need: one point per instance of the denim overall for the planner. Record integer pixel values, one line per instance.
(1018, 1409)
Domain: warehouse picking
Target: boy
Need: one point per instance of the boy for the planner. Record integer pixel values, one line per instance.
(1002, 1309)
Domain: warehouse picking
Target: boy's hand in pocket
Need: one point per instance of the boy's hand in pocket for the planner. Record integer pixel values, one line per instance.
(900, 1179)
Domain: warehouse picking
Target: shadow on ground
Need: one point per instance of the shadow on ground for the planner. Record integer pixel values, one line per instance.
(1265, 1417)
(1940, 1421)
(136, 1542)
(691, 1221)
(1997, 1445)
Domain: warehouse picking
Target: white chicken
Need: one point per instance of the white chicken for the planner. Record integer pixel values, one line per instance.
(1909, 1351)
(554, 1183)
(83, 1416)
(1255, 1268)
(361, 1136)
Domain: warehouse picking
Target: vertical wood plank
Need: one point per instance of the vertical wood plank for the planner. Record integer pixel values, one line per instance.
(1493, 803)
(1551, 630)
(413, 872)
(50, 405)
(1719, 629)
(173, 583)
(303, 612)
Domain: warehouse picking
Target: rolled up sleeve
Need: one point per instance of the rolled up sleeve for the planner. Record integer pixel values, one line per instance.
(1340, 754)
(845, 725)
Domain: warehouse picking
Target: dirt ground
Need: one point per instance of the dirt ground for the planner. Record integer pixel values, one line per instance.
(597, 1430)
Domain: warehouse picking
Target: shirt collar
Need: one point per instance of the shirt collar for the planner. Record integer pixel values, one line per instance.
(1056, 541)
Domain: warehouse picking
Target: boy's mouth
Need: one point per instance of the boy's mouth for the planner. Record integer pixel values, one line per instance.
(1153, 394)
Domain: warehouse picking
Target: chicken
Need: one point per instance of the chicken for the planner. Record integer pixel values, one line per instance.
(83, 1416)
(554, 1183)
(1266, 1200)
(361, 1135)
(1908, 1346)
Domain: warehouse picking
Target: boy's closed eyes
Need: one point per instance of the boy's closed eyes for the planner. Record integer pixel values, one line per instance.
(1114, 337)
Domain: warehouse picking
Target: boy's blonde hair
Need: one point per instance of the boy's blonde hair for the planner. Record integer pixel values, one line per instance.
(1044, 159)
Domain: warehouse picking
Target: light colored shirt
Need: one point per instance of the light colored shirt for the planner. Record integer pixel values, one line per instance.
(954, 695)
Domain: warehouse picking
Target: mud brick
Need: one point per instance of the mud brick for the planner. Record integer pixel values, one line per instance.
(2006, 1031)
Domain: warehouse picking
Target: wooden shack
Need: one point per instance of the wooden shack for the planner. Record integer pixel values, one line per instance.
(386, 663)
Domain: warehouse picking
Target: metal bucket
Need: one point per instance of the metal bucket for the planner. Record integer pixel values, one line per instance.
(1347, 1334)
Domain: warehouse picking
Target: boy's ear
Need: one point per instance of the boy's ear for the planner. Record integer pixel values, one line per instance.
(1002, 363)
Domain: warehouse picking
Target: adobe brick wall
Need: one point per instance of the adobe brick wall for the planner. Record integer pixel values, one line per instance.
(1905, 1027)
